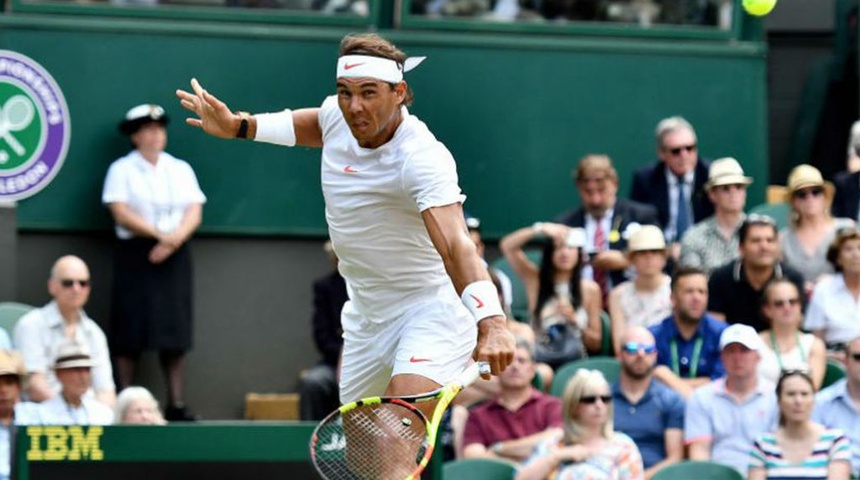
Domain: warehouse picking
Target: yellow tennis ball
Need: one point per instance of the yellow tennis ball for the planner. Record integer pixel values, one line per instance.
(759, 8)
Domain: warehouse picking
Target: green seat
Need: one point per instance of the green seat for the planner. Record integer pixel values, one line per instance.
(520, 301)
(833, 373)
(10, 312)
(698, 470)
(608, 366)
(778, 211)
(478, 469)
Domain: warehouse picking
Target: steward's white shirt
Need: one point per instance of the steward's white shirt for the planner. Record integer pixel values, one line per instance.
(159, 193)
(374, 199)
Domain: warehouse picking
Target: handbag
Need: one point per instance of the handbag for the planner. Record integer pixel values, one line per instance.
(558, 344)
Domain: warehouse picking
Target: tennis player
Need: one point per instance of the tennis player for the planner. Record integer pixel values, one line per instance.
(421, 300)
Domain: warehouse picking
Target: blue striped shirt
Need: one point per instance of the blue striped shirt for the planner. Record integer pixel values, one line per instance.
(832, 445)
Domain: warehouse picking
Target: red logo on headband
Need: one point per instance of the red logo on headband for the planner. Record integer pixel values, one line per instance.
(347, 66)
(348, 169)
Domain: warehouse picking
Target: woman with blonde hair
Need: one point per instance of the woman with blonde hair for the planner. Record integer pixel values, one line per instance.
(811, 228)
(587, 447)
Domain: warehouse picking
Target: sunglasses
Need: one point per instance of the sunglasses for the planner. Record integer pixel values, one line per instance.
(814, 192)
(69, 283)
(589, 399)
(634, 347)
(785, 302)
(678, 150)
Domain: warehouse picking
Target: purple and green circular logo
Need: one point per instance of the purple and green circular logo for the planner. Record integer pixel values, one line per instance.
(34, 127)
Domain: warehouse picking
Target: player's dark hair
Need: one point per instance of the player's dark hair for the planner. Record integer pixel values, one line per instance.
(546, 280)
(373, 45)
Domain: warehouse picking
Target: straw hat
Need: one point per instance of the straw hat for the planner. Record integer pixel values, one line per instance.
(726, 171)
(647, 237)
(73, 355)
(11, 363)
(807, 176)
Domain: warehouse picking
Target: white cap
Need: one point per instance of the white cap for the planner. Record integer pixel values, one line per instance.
(743, 334)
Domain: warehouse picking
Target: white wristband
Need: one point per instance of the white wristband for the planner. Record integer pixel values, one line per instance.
(276, 128)
(482, 299)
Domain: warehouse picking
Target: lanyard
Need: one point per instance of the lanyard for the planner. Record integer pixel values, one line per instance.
(694, 359)
(775, 347)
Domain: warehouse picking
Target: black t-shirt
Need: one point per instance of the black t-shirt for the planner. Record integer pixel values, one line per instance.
(730, 294)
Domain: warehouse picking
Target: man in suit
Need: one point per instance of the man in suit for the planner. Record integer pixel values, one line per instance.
(675, 183)
(608, 220)
(846, 200)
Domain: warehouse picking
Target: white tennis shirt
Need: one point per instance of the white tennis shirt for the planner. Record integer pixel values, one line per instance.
(374, 199)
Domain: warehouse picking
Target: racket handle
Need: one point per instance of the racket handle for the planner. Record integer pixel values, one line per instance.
(471, 374)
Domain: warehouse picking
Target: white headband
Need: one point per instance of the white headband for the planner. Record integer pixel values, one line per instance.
(364, 66)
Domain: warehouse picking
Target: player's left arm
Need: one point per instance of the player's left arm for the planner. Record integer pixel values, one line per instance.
(447, 228)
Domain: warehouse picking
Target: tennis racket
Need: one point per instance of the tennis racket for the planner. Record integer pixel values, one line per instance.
(384, 438)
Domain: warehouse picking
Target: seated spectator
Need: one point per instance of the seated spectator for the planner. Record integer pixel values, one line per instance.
(714, 241)
(786, 347)
(645, 409)
(136, 406)
(511, 424)
(799, 448)
(12, 410)
(724, 417)
(39, 333)
(606, 219)
(589, 446)
(736, 288)
(646, 299)
(834, 314)
(838, 406)
(318, 391)
(811, 227)
(559, 299)
(675, 183)
(72, 407)
(688, 352)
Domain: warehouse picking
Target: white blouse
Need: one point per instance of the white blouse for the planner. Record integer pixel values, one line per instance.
(159, 193)
(834, 310)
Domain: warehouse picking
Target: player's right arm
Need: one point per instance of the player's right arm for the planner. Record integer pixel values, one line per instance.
(215, 118)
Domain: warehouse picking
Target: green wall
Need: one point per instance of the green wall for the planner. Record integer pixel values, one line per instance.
(517, 111)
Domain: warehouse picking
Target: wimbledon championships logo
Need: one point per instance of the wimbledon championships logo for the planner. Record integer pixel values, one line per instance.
(34, 127)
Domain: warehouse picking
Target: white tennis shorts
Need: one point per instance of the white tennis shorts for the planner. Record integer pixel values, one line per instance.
(434, 339)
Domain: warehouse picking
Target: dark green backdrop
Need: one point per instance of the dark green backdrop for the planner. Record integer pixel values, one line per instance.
(517, 111)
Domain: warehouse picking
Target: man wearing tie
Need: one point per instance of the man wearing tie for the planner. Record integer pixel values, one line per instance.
(675, 184)
(606, 219)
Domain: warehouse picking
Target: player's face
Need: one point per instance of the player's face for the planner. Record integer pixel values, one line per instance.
(796, 399)
(690, 297)
(371, 108)
(760, 247)
(150, 138)
(679, 151)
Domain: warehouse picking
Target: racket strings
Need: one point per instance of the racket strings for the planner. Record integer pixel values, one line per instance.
(371, 442)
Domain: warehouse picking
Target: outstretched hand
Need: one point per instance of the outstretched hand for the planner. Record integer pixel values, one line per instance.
(214, 117)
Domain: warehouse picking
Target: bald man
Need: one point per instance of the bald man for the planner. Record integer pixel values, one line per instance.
(39, 333)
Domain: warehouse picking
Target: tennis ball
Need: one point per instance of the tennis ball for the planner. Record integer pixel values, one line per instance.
(759, 8)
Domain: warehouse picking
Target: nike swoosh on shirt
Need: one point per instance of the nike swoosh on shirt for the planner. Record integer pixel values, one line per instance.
(478, 300)
(347, 66)
(348, 169)
(412, 359)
